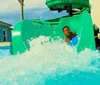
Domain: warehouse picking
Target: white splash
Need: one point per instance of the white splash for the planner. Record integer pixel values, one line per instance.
(43, 59)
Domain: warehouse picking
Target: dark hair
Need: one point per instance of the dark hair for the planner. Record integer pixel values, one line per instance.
(65, 27)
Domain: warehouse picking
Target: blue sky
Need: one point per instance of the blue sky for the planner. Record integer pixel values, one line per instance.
(14, 17)
(10, 11)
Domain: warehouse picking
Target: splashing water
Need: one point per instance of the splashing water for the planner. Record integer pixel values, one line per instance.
(51, 63)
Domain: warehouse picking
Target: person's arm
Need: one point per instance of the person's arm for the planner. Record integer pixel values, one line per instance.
(66, 40)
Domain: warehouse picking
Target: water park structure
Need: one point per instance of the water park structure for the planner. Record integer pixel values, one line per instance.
(78, 18)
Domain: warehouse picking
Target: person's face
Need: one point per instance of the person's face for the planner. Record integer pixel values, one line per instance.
(66, 31)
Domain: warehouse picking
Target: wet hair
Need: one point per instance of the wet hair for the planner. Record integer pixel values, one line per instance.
(65, 27)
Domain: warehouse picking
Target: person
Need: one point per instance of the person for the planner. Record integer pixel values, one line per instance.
(68, 35)
(97, 41)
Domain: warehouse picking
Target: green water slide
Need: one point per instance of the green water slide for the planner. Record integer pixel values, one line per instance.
(28, 29)
(60, 4)
(81, 23)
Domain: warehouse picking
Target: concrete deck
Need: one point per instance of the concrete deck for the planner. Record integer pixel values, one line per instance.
(4, 44)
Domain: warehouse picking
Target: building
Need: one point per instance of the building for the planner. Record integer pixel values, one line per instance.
(5, 32)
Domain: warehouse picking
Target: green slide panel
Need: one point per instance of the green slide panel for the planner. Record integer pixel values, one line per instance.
(25, 30)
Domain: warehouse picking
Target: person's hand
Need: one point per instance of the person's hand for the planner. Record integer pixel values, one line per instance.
(74, 33)
(66, 40)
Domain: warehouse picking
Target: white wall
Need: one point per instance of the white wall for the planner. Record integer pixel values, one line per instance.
(96, 11)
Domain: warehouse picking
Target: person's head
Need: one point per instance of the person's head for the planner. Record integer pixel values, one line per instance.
(66, 30)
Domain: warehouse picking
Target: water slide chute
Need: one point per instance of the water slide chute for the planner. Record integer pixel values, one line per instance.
(60, 4)
(80, 23)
